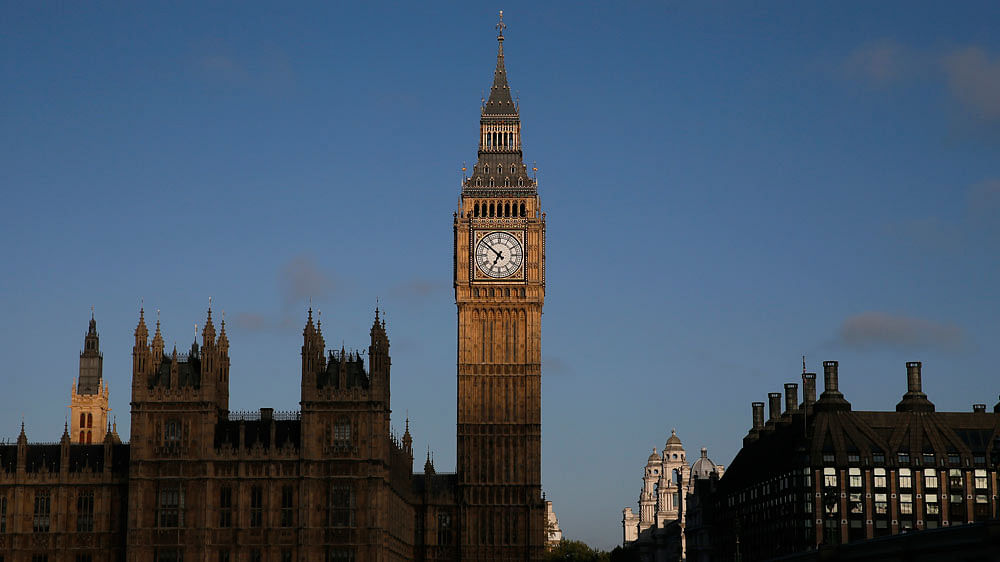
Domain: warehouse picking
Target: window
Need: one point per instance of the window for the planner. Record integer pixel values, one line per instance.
(256, 506)
(881, 504)
(286, 555)
(341, 505)
(903, 458)
(954, 459)
(981, 481)
(828, 457)
(340, 555)
(90, 421)
(854, 477)
(171, 507)
(979, 459)
(342, 432)
(3, 514)
(287, 506)
(931, 504)
(224, 555)
(929, 459)
(172, 432)
(930, 478)
(83, 420)
(43, 508)
(878, 457)
(905, 504)
(225, 508)
(85, 512)
(830, 477)
(905, 478)
(444, 528)
(879, 477)
(856, 504)
(255, 555)
(955, 478)
(853, 458)
(169, 555)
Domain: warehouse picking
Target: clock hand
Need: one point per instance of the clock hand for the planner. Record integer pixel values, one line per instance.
(492, 250)
(498, 258)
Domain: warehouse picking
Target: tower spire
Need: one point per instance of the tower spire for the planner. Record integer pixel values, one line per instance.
(500, 102)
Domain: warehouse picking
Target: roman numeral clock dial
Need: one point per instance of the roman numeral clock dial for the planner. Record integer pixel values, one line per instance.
(499, 255)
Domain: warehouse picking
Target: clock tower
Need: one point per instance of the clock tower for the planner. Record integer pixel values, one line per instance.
(499, 290)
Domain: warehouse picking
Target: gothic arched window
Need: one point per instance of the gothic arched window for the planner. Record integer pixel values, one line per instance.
(90, 420)
(83, 422)
(342, 432)
(477, 209)
(522, 209)
(172, 432)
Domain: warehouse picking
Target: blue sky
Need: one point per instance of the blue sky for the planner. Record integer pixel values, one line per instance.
(728, 186)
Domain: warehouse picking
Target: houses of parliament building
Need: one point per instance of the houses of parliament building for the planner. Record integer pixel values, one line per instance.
(330, 482)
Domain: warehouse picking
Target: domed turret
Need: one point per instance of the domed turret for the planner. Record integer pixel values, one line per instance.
(653, 458)
(703, 467)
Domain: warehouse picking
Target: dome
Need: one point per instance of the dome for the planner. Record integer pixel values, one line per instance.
(654, 458)
(673, 442)
(703, 467)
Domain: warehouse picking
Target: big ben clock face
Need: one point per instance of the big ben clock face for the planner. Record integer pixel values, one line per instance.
(499, 254)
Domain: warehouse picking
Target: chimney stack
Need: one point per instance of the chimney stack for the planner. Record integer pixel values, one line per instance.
(808, 389)
(914, 400)
(831, 377)
(831, 399)
(791, 397)
(758, 415)
(774, 398)
(979, 408)
(913, 382)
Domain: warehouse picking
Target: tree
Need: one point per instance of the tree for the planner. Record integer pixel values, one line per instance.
(575, 551)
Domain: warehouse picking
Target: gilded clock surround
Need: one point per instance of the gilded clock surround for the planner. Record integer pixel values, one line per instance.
(477, 273)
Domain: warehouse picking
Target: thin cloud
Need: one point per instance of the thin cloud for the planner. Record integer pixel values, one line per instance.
(418, 289)
(299, 280)
(974, 80)
(554, 366)
(302, 279)
(971, 74)
(880, 63)
(880, 330)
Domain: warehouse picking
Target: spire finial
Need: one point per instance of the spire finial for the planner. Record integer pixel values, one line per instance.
(803, 364)
(500, 27)
(195, 331)
(91, 312)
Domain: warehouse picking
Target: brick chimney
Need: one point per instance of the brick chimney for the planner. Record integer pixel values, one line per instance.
(914, 400)
(808, 389)
(831, 399)
(791, 397)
